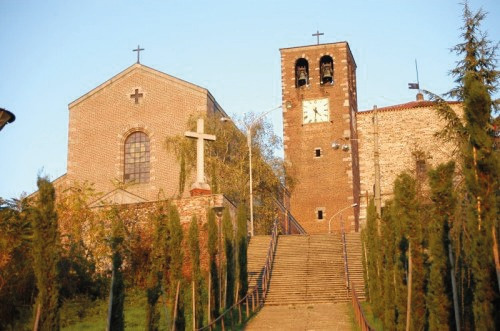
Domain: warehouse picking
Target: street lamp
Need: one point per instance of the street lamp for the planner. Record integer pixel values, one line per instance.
(6, 117)
(249, 143)
(340, 211)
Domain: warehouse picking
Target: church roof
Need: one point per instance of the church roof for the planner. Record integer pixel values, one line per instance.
(408, 105)
(138, 66)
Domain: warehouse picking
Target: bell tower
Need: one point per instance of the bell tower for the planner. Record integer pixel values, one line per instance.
(320, 139)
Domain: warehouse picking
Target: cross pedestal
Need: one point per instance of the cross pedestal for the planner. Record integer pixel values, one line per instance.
(200, 187)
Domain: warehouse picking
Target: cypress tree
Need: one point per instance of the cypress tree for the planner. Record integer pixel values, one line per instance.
(438, 295)
(388, 267)
(176, 259)
(46, 256)
(194, 250)
(477, 80)
(212, 254)
(157, 262)
(406, 210)
(242, 251)
(373, 246)
(117, 319)
(227, 226)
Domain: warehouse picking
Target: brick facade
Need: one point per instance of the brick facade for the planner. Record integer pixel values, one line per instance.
(101, 120)
(328, 182)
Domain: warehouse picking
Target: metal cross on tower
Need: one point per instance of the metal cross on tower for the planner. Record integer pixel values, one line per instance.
(138, 50)
(317, 34)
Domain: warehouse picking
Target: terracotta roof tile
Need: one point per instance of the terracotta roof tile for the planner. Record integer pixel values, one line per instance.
(409, 105)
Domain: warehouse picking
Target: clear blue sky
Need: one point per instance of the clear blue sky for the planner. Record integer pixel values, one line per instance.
(55, 51)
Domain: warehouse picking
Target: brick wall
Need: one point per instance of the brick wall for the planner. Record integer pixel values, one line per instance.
(101, 120)
(329, 182)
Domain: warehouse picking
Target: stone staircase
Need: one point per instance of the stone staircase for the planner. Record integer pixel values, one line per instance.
(256, 258)
(355, 260)
(308, 269)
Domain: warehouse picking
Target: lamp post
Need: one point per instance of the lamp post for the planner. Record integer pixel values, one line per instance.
(340, 211)
(6, 117)
(249, 143)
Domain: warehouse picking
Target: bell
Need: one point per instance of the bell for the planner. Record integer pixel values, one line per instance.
(302, 76)
(327, 73)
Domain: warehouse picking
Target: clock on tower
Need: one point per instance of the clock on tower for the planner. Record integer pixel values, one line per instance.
(320, 105)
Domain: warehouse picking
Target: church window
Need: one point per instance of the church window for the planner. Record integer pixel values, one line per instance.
(301, 72)
(137, 155)
(326, 70)
(317, 152)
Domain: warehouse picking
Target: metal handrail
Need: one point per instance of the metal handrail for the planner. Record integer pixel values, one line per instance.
(358, 310)
(253, 298)
(291, 219)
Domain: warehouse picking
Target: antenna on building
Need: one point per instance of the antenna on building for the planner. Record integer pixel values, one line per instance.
(416, 86)
(416, 69)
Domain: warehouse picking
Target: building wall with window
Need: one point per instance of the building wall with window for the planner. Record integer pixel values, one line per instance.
(407, 142)
(117, 132)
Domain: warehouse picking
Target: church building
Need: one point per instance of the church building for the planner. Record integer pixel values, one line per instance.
(117, 133)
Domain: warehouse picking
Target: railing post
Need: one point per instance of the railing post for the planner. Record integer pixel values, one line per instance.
(247, 307)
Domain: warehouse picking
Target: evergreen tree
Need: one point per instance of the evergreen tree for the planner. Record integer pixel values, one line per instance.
(194, 250)
(438, 295)
(227, 226)
(242, 251)
(388, 269)
(117, 319)
(46, 256)
(373, 247)
(477, 80)
(157, 262)
(176, 259)
(212, 255)
(405, 210)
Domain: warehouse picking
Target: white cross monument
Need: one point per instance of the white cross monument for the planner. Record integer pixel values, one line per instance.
(200, 187)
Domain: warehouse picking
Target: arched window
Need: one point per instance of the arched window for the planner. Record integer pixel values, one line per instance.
(137, 154)
(301, 72)
(326, 70)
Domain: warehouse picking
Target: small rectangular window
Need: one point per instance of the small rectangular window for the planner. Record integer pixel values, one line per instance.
(421, 169)
(320, 214)
(317, 152)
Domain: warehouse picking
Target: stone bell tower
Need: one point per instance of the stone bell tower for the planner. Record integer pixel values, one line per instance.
(320, 138)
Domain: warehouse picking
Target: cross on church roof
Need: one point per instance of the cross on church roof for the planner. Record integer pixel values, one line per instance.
(138, 50)
(317, 34)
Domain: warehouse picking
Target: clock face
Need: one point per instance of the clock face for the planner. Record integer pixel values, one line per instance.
(314, 111)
